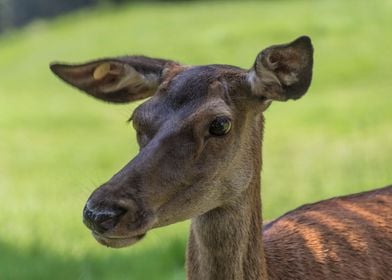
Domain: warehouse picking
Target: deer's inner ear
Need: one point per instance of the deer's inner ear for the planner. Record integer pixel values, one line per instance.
(283, 72)
(115, 80)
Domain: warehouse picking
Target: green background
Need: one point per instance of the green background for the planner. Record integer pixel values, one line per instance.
(57, 145)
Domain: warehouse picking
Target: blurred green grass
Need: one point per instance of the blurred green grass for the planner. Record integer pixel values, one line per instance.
(57, 145)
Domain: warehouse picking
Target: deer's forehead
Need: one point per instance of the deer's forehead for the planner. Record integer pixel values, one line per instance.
(193, 85)
(189, 85)
(186, 93)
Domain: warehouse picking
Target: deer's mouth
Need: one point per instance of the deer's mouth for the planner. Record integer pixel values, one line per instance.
(117, 241)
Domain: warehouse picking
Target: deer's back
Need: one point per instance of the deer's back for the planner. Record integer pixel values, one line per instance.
(341, 238)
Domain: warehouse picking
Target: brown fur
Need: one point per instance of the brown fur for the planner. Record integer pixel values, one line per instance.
(184, 171)
(341, 238)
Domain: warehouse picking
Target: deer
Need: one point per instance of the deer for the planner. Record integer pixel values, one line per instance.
(200, 155)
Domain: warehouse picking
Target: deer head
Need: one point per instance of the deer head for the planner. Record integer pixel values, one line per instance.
(199, 133)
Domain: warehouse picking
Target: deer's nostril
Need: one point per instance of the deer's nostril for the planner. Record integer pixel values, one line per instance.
(101, 220)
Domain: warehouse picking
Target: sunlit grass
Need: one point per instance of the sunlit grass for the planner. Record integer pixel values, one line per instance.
(57, 145)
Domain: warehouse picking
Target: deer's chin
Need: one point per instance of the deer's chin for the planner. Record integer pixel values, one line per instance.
(117, 242)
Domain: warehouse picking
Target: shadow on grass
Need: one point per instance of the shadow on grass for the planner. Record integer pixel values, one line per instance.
(37, 262)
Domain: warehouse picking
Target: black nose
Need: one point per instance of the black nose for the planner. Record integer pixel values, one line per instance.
(101, 220)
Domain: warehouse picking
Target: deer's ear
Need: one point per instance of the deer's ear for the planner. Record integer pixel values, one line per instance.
(117, 80)
(283, 72)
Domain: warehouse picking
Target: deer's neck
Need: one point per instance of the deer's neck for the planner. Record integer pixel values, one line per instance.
(226, 243)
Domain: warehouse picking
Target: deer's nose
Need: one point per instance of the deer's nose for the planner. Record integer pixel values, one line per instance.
(101, 220)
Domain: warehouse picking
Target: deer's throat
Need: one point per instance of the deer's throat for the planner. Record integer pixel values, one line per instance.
(226, 243)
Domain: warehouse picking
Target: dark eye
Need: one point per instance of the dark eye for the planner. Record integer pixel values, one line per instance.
(220, 126)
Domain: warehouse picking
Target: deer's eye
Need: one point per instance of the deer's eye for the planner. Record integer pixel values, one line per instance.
(220, 126)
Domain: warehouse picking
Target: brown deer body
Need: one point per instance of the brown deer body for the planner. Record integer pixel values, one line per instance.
(200, 158)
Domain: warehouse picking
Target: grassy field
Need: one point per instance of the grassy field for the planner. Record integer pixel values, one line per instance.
(57, 145)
